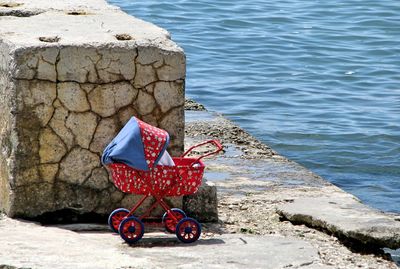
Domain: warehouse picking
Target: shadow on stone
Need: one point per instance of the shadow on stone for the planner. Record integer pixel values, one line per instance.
(19, 13)
(78, 13)
(4, 266)
(173, 242)
(68, 216)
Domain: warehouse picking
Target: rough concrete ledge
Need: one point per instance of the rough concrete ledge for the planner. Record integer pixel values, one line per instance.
(345, 217)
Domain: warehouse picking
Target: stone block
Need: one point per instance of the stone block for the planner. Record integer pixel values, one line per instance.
(66, 89)
(203, 205)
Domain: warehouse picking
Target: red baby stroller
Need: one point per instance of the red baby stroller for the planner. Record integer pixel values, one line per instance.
(136, 158)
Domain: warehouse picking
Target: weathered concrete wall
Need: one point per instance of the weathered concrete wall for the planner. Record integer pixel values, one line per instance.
(71, 75)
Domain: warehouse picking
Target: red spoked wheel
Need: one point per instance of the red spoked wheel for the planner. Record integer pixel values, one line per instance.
(116, 217)
(131, 230)
(188, 230)
(169, 222)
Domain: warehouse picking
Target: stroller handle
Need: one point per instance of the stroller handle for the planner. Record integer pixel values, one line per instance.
(216, 143)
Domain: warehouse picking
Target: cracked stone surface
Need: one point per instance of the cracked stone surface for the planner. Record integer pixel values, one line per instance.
(169, 95)
(52, 148)
(48, 172)
(98, 179)
(107, 99)
(145, 103)
(72, 97)
(58, 124)
(39, 97)
(67, 88)
(82, 125)
(77, 166)
(106, 130)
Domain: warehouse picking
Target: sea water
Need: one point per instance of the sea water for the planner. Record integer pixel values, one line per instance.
(318, 81)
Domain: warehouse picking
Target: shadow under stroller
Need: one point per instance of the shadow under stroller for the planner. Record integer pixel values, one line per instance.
(139, 164)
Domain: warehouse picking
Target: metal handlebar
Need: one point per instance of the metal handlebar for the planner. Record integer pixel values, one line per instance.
(216, 143)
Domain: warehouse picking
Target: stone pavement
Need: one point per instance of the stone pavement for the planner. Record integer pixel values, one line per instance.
(30, 245)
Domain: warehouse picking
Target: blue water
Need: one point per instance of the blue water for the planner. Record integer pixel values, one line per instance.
(317, 80)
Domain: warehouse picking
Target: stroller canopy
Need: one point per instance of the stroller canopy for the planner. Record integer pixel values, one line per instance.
(138, 145)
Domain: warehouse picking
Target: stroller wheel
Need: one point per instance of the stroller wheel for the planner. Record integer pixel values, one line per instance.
(116, 217)
(170, 223)
(188, 230)
(131, 230)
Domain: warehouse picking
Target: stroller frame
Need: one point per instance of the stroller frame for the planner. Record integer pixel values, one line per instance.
(187, 230)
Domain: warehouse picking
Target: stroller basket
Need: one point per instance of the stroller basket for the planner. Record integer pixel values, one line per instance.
(182, 179)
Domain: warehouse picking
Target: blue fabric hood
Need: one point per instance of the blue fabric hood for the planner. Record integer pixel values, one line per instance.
(128, 146)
